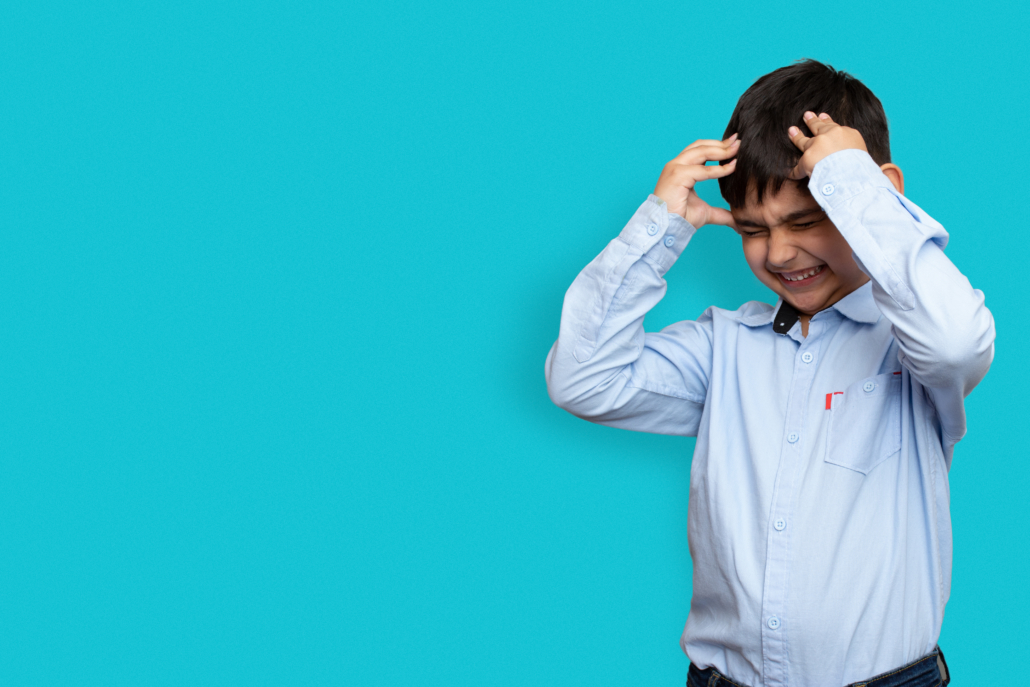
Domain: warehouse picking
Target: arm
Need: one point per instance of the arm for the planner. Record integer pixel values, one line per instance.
(944, 331)
(604, 367)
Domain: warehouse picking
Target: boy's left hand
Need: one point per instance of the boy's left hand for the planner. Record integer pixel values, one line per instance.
(828, 137)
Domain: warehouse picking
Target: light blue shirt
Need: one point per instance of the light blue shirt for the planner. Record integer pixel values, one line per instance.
(818, 521)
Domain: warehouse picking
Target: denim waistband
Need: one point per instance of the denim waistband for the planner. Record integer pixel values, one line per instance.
(928, 671)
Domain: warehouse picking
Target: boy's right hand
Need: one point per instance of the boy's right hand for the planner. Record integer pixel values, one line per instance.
(676, 184)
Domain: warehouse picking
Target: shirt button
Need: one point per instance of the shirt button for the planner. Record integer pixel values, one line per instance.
(669, 241)
(869, 386)
(807, 356)
(774, 622)
(793, 437)
(828, 190)
(780, 524)
(652, 229)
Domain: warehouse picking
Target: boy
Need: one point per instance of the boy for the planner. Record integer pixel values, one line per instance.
(818, 518)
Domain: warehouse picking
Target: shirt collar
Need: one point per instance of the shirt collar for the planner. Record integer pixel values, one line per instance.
(858, 306)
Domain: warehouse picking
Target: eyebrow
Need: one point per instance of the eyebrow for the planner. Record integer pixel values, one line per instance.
(792, 217)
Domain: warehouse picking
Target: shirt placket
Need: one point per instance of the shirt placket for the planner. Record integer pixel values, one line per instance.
(775, 613)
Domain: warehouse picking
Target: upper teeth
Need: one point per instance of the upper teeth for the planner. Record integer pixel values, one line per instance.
(805, 275)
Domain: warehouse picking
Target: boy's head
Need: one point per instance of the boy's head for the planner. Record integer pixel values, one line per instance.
(785, 233)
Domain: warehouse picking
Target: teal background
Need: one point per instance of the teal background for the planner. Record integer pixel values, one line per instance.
(277, 285)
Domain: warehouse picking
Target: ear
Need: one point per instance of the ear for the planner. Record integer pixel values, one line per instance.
(893, 172)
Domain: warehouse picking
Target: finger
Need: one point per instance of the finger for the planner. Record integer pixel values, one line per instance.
(709, 153)
(724, 142)
(702, 143)
(707, 142)
(720, 216)
(818, 124)
(799, 139)
(702, 172)
(798, 172)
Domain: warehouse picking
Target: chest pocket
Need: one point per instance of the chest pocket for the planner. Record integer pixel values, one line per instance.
(865, 423)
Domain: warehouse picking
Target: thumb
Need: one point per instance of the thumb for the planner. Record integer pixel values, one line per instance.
(720, 216)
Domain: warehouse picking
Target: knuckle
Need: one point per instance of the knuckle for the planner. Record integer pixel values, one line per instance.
(680, 172)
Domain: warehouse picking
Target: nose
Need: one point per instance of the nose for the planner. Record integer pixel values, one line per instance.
(781, 249)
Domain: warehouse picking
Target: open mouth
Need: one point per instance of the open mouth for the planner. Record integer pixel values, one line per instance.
(801, 277)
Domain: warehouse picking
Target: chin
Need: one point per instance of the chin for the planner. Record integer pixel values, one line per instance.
(806, 304)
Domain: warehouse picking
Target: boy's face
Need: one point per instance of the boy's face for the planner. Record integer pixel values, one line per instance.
(794, 249)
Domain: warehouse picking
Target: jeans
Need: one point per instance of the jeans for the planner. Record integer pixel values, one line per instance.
(924, 672)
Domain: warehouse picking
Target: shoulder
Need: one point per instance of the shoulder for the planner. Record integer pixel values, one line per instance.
(750, 313)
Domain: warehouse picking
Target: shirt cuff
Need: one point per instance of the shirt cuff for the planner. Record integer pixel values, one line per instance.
(657, 233)
(841, 176)
(837, 181)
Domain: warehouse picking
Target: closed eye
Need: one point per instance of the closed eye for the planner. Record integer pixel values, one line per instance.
(811, 223)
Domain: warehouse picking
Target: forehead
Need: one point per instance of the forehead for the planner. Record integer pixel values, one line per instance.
(791, 198)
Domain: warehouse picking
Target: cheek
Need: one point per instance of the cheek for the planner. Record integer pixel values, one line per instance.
(832, 247)
(755, 253)
(838, 257)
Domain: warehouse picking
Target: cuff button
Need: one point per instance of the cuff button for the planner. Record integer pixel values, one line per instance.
(670, 241)
(652, 229)
(828, 190)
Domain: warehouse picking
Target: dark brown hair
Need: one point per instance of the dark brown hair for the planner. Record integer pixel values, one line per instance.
(778, 100)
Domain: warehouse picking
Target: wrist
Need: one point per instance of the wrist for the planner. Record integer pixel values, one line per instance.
(680, 210)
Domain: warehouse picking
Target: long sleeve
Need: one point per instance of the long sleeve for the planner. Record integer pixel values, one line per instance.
(604, 367)
(944, 331)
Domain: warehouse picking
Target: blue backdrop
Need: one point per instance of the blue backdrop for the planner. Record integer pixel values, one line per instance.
(278, 281)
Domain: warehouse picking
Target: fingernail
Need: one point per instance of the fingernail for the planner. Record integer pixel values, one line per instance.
(733, 138)
(735, 143)
(793, 131)
(824, 116)
(809, 115)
